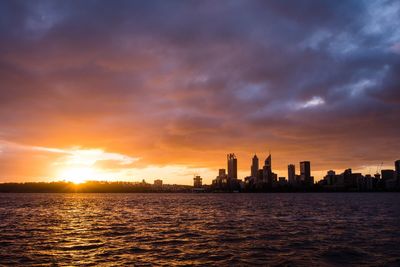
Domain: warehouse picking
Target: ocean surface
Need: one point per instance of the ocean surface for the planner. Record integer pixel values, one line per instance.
(317, 229)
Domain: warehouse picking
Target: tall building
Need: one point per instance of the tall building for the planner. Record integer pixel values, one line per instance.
(254, 166)
(292, 174)
(305, 173)
(269, 177)
(305, 168)
(232, 166)
(268, 163)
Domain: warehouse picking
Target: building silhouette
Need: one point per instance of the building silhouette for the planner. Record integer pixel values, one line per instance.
(254, 166)
(397, 167)
(388, 179)
(397, 170)
(228, 181)
(197, 182)
(221, 181)
(292, 174)
(268, 163)
(282, 181)
(269, 178)
(158, 183)
(232, 166)
(387, 175)
(305, 173)
(348, 181)
(331, 178)
(366, 183)
(263, 179)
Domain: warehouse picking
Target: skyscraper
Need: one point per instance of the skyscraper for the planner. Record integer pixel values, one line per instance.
(254, 166)
(232, 166)
(305, 168)
(268, 176)
(292, 174)
(268, 163)
(305, 172)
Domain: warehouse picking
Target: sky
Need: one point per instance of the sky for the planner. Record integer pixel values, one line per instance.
(132, 90)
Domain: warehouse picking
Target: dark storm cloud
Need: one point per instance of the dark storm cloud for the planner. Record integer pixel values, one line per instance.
(207, 75)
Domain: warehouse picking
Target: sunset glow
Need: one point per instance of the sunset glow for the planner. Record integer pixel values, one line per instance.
(77, 175)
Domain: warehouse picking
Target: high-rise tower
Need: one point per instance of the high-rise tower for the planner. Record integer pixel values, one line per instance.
(232, 166)
(254, 166)
(305, 173)
(268, 177)
(268, 163)
(292, 174)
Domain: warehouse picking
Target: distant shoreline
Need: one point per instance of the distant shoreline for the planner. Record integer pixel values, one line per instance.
(132, 187)
(194, 193)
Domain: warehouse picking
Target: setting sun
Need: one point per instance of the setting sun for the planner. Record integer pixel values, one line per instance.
(77, 175)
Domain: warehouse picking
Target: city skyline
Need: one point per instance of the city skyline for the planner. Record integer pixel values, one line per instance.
(262, 178)
(124, 90)
(294, 176)
(166, 172)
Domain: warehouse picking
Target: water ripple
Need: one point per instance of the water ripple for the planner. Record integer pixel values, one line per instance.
(200, 229)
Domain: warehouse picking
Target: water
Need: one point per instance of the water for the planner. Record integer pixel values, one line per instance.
(200, 229)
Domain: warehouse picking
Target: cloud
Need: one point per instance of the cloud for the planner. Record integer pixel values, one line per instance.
(395, 48)
(313, 102)
(89, 156)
